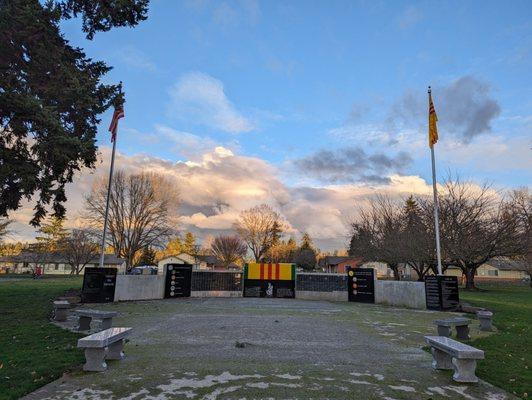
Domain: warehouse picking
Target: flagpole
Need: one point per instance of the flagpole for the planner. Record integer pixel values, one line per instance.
(102, 253)
(436, 213)
(114, 136)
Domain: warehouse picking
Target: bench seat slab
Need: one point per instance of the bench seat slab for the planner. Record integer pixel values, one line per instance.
(464, 370)
(95, 359)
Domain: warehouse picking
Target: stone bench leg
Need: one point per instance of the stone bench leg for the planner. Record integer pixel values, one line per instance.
(84, 323)
(440, 359)
(95, 359)
(485, 324)
(107, 323)
(60, 314)
(462, 332)
(464, 370)
(115, 351)
(444, 331)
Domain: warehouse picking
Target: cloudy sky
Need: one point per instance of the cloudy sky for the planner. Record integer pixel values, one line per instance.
(312, 106)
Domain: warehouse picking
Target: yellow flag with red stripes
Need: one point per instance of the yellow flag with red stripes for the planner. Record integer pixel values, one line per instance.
(433, 118)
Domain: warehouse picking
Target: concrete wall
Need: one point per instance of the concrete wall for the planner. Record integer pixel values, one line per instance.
(401, 294)
(328, 296)
(308, 287)
(139, 287)
(215, 293)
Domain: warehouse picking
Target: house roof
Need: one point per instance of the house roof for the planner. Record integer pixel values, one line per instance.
(53, 258)
(335, 260)
(507, 264)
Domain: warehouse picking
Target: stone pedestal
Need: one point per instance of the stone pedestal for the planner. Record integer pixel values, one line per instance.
(444, 331)
(84, 323)
(95, 360)
(107, 323)
(60, 310)
(464, 370)
(485, 319)
(440, 359)
(462, 332)
(115, 351)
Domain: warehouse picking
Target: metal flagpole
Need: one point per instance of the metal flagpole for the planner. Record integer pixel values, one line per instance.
(114, 138)
(436, 219)
(107, 201)
(436, 214)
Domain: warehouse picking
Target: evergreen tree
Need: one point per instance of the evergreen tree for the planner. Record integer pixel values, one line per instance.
(51, 235)
(51, 96)
(173, 247)
(147, 257)
(189, 246)
(306, 242)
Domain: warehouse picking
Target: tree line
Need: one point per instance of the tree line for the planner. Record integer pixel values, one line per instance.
(477, 224)
(142, 228)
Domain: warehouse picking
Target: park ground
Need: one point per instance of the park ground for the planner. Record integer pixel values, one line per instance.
(187, 348)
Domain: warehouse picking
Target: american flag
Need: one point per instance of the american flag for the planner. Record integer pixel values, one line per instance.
(119, 113)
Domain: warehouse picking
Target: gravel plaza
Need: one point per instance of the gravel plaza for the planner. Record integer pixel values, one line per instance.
(255, 348)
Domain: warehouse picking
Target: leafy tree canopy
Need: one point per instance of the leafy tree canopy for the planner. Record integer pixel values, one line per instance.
(50, 97)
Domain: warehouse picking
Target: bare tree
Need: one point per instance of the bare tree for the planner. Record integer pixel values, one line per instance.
(228, 249)
(476, 226)
(418, 244)
(260, 228)
(521, 203)
(141, 211)
(376, 235)
(79, 248)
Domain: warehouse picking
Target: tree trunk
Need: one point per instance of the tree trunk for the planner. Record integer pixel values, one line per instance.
(470, 277)
(395, 270)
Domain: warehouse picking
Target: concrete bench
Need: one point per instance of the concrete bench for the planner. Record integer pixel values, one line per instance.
(86, 316)
(60, 310)
(461, 325)
(485, 318)
(448, 353)
(107, 344)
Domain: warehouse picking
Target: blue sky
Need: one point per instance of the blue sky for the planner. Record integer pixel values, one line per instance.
(322, 95)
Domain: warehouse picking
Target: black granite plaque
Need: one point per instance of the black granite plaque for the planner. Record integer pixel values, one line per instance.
(269, 288)
(178, 280)
(361, 285)
(98, 285)
(441, 293)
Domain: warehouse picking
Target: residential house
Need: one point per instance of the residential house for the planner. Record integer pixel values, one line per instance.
(338, 264)
(28, 262)
(497, 269)
(198, 262)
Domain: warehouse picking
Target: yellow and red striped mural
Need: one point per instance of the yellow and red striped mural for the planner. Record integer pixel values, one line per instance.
(270, 271)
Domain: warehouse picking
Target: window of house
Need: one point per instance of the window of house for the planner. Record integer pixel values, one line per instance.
(56, 267)
(493, 272)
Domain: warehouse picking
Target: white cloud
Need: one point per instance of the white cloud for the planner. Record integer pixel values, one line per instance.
(200, 98)
(409, 17)
(216, 187)
(135, 58)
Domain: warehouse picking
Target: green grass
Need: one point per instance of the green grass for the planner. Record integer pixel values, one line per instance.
(508, 353)
(33, 351)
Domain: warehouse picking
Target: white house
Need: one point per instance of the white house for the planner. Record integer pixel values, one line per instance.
(28, 262)
(198, 262)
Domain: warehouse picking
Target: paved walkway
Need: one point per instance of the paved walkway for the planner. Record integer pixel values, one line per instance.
(287, 349)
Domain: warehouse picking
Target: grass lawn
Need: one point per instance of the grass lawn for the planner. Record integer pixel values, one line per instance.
(33, 352)
(508, 360)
